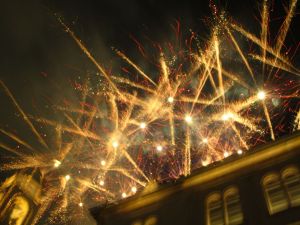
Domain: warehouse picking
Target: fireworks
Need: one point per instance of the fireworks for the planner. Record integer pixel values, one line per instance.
(261, 95)
(188, 119)
(159, 148)
(143, 125)
(170, 99)
(205, 104)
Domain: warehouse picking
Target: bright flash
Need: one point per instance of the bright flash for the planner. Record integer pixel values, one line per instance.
(115, 144)
(124, 195)
(143, 125)
(204, 162)
(227, 116)
(226, 154)
(103, 163)
(56, 163)
(101, 183)
(170, 99)
(134, 189)
(240, 152)
(188, 119)
(205, 140)
(67, 177)
(159, 148)
(261, 95)
(80, 204)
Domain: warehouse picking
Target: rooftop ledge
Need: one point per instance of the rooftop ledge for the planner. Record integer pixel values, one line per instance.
(154, 192)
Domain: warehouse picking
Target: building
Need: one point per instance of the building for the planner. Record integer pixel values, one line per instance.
(20, 197)
(259, 187)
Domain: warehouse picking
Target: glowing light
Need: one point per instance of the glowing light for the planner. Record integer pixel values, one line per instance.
(240, 152)
(261, 95)
(205, 140)
(226, 154)
(134, 189)
(159, 148)
(80, 204)
(188, 119)
(115, 144)
(227, 116)
(143, 125)
(124, 195)
(170, 99)
(56, 163)
(101, 183)
(204, 162)
(103, 162)
(67, 177)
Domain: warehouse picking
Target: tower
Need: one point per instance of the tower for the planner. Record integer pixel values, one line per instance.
(20, 196)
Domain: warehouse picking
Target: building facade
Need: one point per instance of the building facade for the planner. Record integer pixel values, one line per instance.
(20, 197)
(259, 187)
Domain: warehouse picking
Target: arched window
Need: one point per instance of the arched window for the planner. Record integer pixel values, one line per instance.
(215, 212)
(16, 211)
(233, 210)
(224, 208)
(291, 181)
(274, 193)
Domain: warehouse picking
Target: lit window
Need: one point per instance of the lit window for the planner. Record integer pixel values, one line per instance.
(215, 210)
(274, 193)
(233, 208)
(224, 209)
(282, 192)
(291, 180)
(17, 210)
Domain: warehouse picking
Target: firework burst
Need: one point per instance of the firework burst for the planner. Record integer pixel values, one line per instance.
(201, 104)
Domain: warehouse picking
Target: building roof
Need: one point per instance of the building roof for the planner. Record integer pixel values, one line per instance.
(233, 166)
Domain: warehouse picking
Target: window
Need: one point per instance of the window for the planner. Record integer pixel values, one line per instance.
(282, 190)
(274, 194)
(291, 180)
(233, 208)
(215, 210)
(224, 209)
(16, 211)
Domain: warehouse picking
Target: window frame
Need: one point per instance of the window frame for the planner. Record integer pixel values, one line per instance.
(229, 191)
(281, 178)
(266, 180)
(214, 196)
(222, 196)
(294, 170)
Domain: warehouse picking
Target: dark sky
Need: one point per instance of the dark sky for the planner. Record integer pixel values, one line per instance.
(33, 44)
(39, 59)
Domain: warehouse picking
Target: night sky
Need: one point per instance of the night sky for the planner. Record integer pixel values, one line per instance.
(39, 60)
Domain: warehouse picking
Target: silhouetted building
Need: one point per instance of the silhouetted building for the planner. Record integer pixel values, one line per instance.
(20, 197)
(258, 187)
